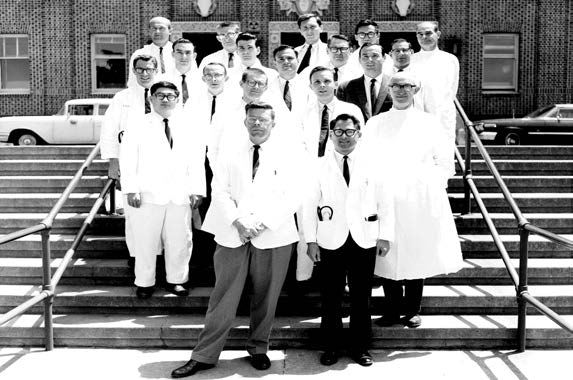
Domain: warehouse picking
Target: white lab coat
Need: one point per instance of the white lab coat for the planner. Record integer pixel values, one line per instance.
(153, 50)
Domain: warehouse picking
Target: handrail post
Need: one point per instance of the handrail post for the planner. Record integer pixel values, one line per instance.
(522, 288)
(112, 199)
(467, 207)
(47, 285)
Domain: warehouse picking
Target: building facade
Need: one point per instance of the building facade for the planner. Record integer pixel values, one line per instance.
(514, 54)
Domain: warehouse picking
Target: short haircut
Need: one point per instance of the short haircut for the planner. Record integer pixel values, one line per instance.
(283, 48)
(344, 117)
(245, 36)
(182, 41)
(338, 37)
(365, 22)
(401, 40)
(161, 20)
(434, 23)
(317, 69)
(215, 64)
(226, 24)
(145, 58)
(163, 84)
(368, 44)
(308, 16)
(260, 106)
(253, 71)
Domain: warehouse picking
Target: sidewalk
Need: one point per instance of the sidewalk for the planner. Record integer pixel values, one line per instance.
(112, 364)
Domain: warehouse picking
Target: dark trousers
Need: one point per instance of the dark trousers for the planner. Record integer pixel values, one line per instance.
(203, 242)
(335, 265)
(402, 297)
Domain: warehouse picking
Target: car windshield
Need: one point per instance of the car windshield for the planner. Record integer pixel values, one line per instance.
(62, 110)
(540, 111)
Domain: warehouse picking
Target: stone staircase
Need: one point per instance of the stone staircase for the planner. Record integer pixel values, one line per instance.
(96, 304)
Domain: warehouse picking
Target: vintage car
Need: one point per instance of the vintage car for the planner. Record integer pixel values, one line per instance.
(555, 119)
(77, 122)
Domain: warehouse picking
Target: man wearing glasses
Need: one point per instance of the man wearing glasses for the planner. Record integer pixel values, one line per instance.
(313, 52)
(129, 103)
(409, 149)
(342, 240)
(160, 47)
(227, 33)
(370, 91)
(163, 174)
(256, 191)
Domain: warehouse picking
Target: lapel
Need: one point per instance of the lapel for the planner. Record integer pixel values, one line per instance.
(381, 96)
(362, 99)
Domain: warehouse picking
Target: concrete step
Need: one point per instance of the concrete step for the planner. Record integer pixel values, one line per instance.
(506, 224)
(527, 202)
(44, 167)
(438, 299)
(524, 167)
(49, 184)
(181, 331)
(71, 152)
(516, 184)
(524, 152)
(43, 202)
(482, 246)
(28, 271)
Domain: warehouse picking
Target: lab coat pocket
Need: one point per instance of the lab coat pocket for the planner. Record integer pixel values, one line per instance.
(371, 229)
(325, 230)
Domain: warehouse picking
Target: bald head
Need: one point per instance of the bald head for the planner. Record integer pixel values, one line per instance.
(159, 30)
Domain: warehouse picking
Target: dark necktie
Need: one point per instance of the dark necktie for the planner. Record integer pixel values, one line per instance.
(346, 170)
(255, 159)
(400, 70)
(305, 60)
(184, 88)
(168, 133)
(161, 61)
(336, 74)
(146, 101)
(323, 131)
(213, 106)
(372, 95)
(231, 63)
(286, 96)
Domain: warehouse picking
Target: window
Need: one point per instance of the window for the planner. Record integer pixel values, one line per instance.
(108, 63)
(500, 55)
(102, 109)
(566, 113)
(14, 64)
(81, 109)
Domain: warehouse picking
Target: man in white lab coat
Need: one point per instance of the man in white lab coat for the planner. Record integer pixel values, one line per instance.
(163, 174)
(227, 33)
(341, 225)
(255, 194)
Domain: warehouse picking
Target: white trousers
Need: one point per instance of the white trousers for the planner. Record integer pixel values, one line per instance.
(153, 225)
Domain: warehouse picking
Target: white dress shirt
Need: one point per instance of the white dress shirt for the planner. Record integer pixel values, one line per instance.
(153, 50)
(220, 56)
(318, 53)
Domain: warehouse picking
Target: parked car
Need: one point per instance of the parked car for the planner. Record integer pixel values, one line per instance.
(77, 122)
(555, 119)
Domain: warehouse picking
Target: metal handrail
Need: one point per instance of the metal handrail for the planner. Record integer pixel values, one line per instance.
(49, 283)
(524, 226)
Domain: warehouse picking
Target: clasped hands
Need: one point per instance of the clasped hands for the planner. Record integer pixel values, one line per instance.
(248, 228)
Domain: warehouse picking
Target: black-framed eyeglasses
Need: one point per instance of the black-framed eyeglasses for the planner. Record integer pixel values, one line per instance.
(170, 97)
(406, 86)
(141, 70)
(369, 34)
(254, 83)
(347, 132)
(338, 49)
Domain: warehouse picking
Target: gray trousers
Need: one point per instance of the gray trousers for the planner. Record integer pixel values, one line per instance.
(266, 269)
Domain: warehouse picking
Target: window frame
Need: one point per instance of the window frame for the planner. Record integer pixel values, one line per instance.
(17, 91)
(514, 86)
(95, 57)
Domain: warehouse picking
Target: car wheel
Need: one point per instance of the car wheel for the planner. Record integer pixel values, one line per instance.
(27, 139)
(512, 138)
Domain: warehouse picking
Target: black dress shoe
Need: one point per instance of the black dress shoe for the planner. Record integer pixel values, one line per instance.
(260, 361)
(363, 358)
(387, 321)
(412, 321)
(329, 358)
(190, 368)
(144, 293)
(177, 289)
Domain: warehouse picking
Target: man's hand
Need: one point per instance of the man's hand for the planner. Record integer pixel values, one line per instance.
(313, 252)
(195, 200)
(113, 172)
(134, 199)
(382, 247)
(248, 228)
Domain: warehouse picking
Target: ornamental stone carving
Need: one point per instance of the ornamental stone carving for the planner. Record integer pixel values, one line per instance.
(301, 7)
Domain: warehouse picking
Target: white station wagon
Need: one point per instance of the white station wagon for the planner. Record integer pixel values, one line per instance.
(77, 122)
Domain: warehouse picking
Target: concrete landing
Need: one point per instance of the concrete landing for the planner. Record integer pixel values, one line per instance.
(97, 364)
